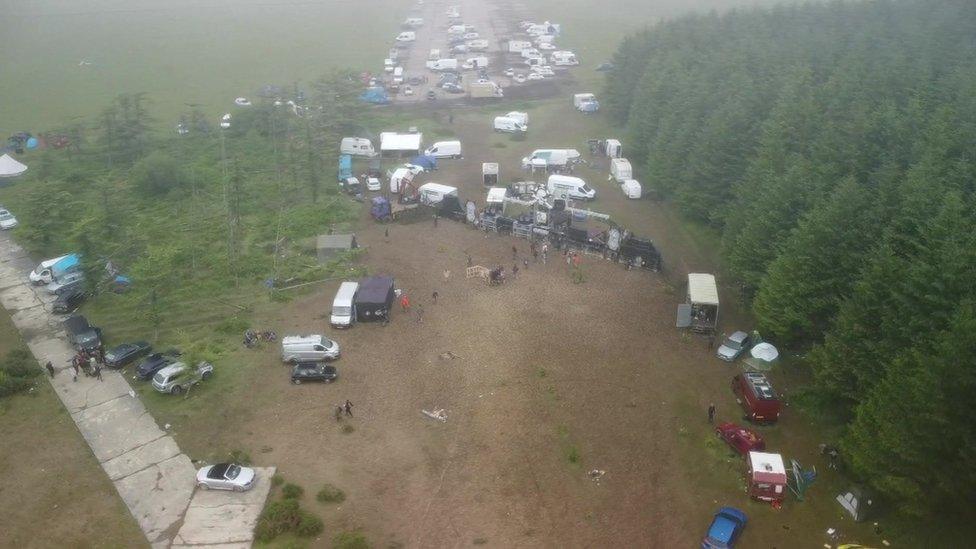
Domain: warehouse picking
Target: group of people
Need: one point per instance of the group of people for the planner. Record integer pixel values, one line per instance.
(89, 361)
(252, 338)
(339, 409)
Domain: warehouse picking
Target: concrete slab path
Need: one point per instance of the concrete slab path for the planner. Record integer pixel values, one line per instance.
(153, 477)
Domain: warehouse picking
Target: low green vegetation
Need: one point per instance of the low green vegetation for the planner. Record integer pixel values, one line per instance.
(292, 491)
(831, 144)
(350, 540)
(18, 372)
(330, 494)
(286, 516)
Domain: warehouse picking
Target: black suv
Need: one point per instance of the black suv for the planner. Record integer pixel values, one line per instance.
(313, 371)
(152, 364)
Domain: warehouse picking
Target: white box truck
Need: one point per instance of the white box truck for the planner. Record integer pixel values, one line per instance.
(620, 169)
(343, 305)
(442, 65)
(569, 187)
(509, 125)
(356, 146)
(434, 193)
(444, 149)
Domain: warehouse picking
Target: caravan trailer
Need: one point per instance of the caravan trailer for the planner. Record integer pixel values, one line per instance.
(620, 170)
(357, 146)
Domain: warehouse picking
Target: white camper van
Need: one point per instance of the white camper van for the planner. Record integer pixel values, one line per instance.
(403, 176)
(43, 274)
(522, 117)
(406, 36)
(612, 148)
(356, 146)
(620, 169)
(444, 149)
(564, 59)
(565, 186)
(509, 125)
(631, 188)
(343, 305)
(434, 193)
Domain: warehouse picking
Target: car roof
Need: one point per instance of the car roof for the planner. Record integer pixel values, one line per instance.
(172, 369)
(739, 336)
(219, 470)
(722, 529)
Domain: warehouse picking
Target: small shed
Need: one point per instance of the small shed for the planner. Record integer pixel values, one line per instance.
(328, 245)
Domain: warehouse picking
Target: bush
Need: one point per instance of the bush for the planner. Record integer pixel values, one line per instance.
(277, 518)
(292, 491)
(19, 363)
(277, 479)
(10, 385)
(330, 494)
(240, 457)
(233, 325)
(157, 174)
(350, 540)
(309, 526)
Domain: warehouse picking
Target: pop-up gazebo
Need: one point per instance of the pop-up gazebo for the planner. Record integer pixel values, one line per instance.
(10, 167)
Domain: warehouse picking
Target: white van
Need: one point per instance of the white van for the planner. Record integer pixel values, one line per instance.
(516, 46)
(580, 98)
(565, 186)
(613, 148)
(434, 193)
(631, 188)
(551, 157)
(477, 45)
(530, 52)
(564, 59)
(413, 22)
(522, 117)
(441, 65)
(356, 146)
(620, 169)
(398, 75)
(42, 273)
(406, 36)
(343, 305)
(308, 347)
(479, 62)
(509, 125)
(444, 149)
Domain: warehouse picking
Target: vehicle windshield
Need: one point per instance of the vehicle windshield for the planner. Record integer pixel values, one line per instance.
(733, 344)
(586, 188)
(341, 310)
(87, 337)
(4, 216)
(232, 472)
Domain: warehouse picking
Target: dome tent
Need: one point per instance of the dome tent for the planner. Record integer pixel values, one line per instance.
(10, 167)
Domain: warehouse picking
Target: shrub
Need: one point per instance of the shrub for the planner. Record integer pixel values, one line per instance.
(292, 491)
(573, 455)
(277, 518)
(233, 325)
(239, 456)
(19, 363)
(309, 526)
(10, 385)
(330, 494)
(350, 540)
(277, 479)
(157, 174)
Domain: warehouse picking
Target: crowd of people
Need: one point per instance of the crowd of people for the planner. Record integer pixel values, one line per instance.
(89, 361)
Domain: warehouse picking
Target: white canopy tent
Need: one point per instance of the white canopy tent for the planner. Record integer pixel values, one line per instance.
(10, 167)
(401, 142)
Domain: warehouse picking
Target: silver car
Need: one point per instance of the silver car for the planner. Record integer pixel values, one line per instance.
(733, 346)
(226, 476)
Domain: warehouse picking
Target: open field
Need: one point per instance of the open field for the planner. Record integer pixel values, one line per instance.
(53, 494)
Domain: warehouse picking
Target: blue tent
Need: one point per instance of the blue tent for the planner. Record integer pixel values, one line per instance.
(428, 163)
(375, 95)
(380, 208)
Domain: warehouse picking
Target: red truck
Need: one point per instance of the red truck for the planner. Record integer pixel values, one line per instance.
(756, 396)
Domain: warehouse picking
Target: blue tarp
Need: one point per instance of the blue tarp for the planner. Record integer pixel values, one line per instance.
(345, 167)
(69, 263)
(428, 163)
(376, 96)
(380, 208)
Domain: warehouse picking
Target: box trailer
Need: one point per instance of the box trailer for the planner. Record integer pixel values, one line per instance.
(489, 173)
(621, 170)
(374, 299)
(700, 309)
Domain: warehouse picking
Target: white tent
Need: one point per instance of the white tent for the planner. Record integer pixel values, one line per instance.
(10, 167)
(765, 352)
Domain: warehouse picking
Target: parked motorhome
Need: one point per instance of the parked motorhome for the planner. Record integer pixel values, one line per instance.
(700, 309)
(569, 187)
(509, 125)
(612, 148)
(767, 477)
(621, 170)
(756, 396)
(580, 98)
(357, 146)
(47, 270)
(522, 117)
(434, 193)
(344, 306)
(475, 63)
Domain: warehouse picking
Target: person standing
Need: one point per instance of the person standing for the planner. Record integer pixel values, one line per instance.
(93, 366)
(545, 252)
(348, 408)
(711, 412)
(434, 297)
(420, 313)
(74, 366)
(50, 369)
(514, 252)
(338, 413)
(404, 303)
(98, 371)
(515, 271)
(435, 220)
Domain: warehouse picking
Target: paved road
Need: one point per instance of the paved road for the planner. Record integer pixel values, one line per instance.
(153, 477)
(488, 24)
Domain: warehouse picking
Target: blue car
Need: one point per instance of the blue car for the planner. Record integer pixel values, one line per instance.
(726, 527)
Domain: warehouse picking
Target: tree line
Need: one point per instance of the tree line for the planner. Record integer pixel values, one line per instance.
(832, 145)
